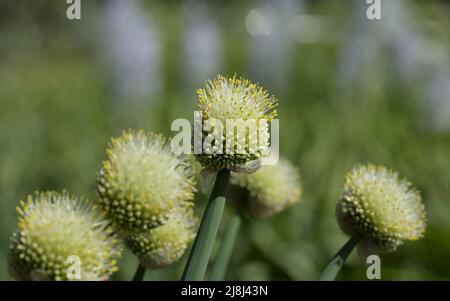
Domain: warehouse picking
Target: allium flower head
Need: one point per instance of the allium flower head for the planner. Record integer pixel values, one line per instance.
(381, 206)
(238, 100)
(271, 189)
(164, 245)
(142, 181)
(54, 226)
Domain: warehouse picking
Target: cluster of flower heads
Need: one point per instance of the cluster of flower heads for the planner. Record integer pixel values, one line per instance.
(387, 210)
(146, 190)
(145, 193)
(269, 190)
(54, 226)
(239, 100)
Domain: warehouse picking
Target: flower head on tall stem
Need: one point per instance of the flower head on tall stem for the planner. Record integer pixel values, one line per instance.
(381, 206)
(53, 227)
(142, 181)
(238, 100)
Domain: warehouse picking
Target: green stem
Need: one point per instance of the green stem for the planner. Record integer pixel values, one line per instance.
(223, 257)
(335, 264)
(206, 235)
(140, 273)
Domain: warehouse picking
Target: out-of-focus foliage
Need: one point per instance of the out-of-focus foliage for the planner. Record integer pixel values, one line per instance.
(57, 115)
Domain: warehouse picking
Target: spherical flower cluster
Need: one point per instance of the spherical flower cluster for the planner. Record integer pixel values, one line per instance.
(55, 226)
(242, 102)
(269, 190)
(164, 245)
(381, 206)
(142, 181)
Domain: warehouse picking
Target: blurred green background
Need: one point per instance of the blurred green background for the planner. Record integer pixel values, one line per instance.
(351, 90)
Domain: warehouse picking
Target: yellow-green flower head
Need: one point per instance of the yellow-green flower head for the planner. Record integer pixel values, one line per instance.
(164, 245)
(242, 102)
(381, 206)
(269, 190)
(54, 228)
(142, 181)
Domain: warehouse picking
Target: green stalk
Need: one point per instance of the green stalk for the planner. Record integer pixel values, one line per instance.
(206, 235)
(140, 273)
(223, 257)
(335, 264)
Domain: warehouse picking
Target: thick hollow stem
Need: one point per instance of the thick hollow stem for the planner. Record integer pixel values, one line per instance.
(335, 264)
(140, 273)
(223, 257)
(204, 241)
